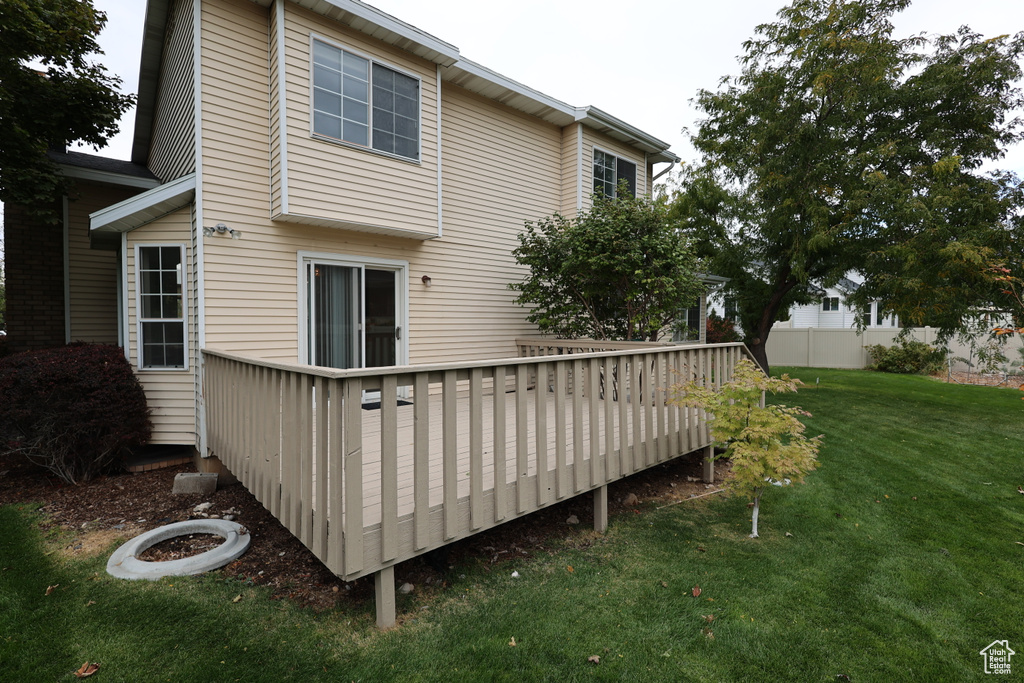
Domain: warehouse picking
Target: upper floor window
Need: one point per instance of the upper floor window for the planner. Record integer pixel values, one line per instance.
(161, 306)
(365, 103)
(609, 170)
(830, 303)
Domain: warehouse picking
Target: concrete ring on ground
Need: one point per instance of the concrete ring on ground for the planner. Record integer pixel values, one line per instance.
(124, 563)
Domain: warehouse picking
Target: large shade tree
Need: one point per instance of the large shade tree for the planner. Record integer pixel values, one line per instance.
(841, 147)
(51, 95)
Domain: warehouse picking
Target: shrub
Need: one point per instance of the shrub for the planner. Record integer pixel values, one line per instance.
(76, 410)
(720, 330)
(908, 357)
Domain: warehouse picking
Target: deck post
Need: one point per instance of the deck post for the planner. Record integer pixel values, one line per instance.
(709, 464)
(384, 591)
(601, 509)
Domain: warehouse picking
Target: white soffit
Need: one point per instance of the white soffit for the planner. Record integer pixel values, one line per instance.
(146, 207)
(382, 26)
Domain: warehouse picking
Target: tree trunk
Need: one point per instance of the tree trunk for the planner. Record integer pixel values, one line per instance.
(757, 506)
(760, 354)
(763, 326)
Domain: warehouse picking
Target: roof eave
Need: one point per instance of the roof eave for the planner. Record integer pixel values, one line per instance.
(144, 208)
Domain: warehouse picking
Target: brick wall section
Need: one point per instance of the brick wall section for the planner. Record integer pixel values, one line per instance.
(34, 270)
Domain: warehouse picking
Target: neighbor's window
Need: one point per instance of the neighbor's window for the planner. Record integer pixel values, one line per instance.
(830, 303)
(609, 170)
(687, 327)
(359, 101)
(161, 306)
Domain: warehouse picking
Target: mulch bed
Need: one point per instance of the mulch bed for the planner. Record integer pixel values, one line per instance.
(123, 505)
(994, 379)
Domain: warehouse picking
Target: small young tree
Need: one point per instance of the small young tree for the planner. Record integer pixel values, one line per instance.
(619, 270)
(766, 444)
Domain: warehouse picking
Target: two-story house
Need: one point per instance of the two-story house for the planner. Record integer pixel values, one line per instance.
(317, 185)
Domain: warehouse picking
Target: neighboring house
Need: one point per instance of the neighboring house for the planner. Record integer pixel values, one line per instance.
(831, 310)
(312, 182)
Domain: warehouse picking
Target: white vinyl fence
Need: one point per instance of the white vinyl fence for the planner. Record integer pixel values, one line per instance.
(829, 347)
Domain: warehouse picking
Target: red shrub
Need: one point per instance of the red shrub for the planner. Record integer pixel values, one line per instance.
(77, 410)
(720, 330)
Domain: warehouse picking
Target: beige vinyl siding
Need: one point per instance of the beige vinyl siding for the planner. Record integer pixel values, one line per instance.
(173, 151)
(170, 393)
(333, 181)
(274, 101)
(570, 168)
(591, 139)
(92, 273)
(501, 167)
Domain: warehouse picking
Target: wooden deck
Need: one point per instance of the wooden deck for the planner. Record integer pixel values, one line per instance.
(365, 487)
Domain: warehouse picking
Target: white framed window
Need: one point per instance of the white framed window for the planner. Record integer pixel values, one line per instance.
(363, 102)
(160, 289)
(830, 303)
(609, 170)
(687, 327)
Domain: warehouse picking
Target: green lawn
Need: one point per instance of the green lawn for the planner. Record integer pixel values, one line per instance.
(905, 560)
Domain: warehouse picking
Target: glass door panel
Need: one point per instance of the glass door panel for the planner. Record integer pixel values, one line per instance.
(334, 316)
(381, 323)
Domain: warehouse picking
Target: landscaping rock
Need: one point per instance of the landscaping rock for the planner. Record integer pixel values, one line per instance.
(202, 507)
(194, 482)
(405, 588)
(573, 519)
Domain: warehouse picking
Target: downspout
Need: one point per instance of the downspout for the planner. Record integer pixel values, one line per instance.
(671, 165)
(199, 255)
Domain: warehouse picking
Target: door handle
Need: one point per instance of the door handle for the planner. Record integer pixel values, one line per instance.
(398, 332)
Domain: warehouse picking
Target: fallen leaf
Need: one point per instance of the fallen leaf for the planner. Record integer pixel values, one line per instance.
(87, 670)
(594, 659)
(701, 549)
(1020, 489)
(570, 569)
(709, 618)
(236, 598)
(789, 535)
(50, 589)
(512, 642)
(664, 584)
(696, 591)
(90, 603)
(709, 634)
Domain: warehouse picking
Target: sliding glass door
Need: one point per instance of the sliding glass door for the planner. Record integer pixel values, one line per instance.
(354, 313)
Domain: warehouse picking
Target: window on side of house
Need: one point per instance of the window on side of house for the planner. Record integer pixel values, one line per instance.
(364, 103)
(687, 327)
(732, 309)
(161, 309)
(609, 170)
(830, 303)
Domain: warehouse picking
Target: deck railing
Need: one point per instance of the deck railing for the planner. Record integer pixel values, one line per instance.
(374, 466)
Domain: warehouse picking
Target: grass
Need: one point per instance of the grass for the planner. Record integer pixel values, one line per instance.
(903, 563)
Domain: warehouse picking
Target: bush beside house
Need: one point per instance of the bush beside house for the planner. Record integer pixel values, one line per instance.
(77, 410)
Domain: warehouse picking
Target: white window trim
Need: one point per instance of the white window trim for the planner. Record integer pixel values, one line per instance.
(636, 184)
(372, 60)
(184, 307)
(400, 267)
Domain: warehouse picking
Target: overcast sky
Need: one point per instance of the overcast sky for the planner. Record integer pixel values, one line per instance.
(642, 61)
